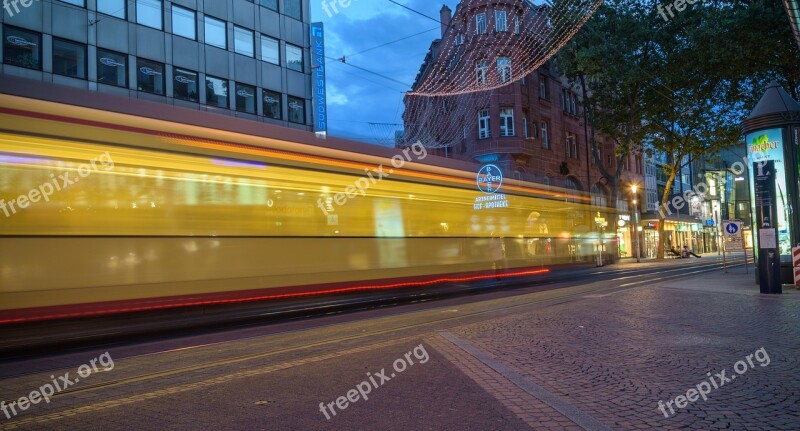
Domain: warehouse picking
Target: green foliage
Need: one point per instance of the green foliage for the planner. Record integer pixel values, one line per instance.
(679, 88)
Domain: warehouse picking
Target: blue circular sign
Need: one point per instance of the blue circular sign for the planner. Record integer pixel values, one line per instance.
(732, 228)
(490, 178)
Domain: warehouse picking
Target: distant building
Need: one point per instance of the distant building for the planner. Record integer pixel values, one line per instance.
(232, 57)
(532, 128)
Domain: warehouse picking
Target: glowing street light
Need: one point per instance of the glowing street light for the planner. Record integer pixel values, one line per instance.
(634, 189)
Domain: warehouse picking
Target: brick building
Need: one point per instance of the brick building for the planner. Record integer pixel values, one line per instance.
(533, 128)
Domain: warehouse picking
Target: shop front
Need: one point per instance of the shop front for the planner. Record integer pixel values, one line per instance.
(677, 233)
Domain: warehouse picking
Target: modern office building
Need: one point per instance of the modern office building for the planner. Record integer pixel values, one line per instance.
(247, 59)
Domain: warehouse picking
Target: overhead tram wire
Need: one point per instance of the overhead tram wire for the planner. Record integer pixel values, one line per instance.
(415, 11)
(343, 60)
(388, 43)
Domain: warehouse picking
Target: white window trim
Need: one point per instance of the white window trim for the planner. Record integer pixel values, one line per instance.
(479, 21)
(484, 125)
(500, 17)
(506, 122)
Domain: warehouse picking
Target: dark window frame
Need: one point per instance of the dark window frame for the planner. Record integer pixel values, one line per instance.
(163, 76)
(85, 57)
(7, 27)
(125, 67)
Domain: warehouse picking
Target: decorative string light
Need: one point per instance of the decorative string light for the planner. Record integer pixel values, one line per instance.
(487, 46)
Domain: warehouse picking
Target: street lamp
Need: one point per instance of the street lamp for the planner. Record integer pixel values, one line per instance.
(634, 189)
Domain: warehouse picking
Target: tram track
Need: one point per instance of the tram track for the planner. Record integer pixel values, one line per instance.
(554, 297)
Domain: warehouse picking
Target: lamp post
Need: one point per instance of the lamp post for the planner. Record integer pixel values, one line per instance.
(634, 189)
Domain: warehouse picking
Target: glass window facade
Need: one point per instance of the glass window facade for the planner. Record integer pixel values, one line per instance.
(243, 41)
(112, 68)
(245, 98)
(115, 8)
(215, 33)
(185, 85)
(272, 104)
(293, 8)
(217, 92)
(270, 50)
(22, 48)
(297, 110)
(269, 4)
(69, 58)
(150, 76)
(148, 12)
(183, 22)
(294, 57)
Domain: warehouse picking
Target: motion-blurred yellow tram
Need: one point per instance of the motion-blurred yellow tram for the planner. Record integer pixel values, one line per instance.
(105, 212)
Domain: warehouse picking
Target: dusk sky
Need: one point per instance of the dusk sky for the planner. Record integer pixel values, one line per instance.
(356, 97)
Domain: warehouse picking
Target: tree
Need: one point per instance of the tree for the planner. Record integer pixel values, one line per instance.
(610, 61)
(678, 87)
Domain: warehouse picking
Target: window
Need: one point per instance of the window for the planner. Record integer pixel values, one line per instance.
(185, 85)
(272, 104)
(544, 91)
(269, 4)
(75, 2)
(504, 69)
(115, 8)
(270, 50)
(243, 41)
(525, 133)
(500, 22)
(545, 126)
(483, 125)
(572, 146)
(294, 57)
(148, 12)
(150, 76)
(480, 23)
(22, 48)
(506, 121)
(297, 110)
(481, 68)
(459, 40)
(569, 102)
(215, 33)
(516, 24)
(217, 92)
(183, 22)
(293, 8)
(245, 98)
(599, 196)
(112, 68)
(69, 58)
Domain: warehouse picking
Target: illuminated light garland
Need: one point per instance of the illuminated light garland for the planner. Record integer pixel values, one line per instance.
(449, 92)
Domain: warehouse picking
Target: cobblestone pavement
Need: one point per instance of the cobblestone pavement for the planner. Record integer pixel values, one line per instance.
(617, 356)
(583, 357)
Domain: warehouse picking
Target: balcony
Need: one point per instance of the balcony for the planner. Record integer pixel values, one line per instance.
(505, 145)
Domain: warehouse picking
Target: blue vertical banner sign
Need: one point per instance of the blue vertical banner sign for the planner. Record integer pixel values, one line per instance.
(318, 79)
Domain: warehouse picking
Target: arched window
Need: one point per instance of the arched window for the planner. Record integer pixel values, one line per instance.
(574, 188)
(599, 196)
